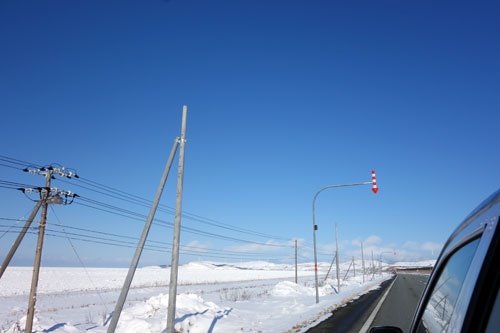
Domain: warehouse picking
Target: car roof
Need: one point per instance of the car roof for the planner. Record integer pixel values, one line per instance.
(484, 216)
(472, 221)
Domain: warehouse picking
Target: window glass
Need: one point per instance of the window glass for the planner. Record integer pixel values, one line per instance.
(494, 321)
(441, 305)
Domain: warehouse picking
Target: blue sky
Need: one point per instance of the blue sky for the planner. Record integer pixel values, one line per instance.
(284, 97)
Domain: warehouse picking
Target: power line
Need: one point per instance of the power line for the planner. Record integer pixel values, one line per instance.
(131, 198)
(140, 217)
(17, 162)
(185, 250)
(121, 195)
(13, 185)
(73, 247)
(117, 238)
(94, 204)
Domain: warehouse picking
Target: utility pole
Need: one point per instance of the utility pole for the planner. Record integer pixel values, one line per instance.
(48, 196)
(172, 292)
(354, 266)
(296, 277)
(373, 267)
(140, 246)
(363, 262)
(330, 268)
(38, 256)
(337, 255)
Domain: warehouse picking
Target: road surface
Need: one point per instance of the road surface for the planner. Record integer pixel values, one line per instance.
(402, 300)
(358, 316)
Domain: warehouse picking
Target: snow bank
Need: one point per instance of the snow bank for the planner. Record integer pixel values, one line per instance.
(263, 298)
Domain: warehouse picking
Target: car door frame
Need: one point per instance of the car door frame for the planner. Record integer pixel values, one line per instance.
(480, 287)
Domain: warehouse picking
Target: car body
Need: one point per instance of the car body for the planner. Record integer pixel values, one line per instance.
(462, 293)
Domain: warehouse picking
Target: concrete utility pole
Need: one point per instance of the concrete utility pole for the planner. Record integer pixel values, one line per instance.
(363, 262)
(330, 268)
(373, 267)
(354, 266)
(140, 246)
(337, 255)
(296, 275)
(172, 293)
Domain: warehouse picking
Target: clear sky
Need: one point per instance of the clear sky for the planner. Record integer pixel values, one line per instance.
(284, 97)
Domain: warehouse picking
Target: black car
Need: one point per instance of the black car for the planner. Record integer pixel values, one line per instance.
(462, 292)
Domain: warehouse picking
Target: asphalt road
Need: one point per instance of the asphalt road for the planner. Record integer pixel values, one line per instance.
(397, 309)
(350, 318)
(401, 302)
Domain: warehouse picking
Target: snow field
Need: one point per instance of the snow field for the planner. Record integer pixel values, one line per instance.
(212, 297)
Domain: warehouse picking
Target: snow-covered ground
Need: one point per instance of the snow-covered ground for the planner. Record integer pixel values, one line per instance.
(212, 297)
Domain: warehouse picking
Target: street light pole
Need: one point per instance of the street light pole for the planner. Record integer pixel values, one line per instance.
(315, 227)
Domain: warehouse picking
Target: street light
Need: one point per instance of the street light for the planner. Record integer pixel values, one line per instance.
(315, 227)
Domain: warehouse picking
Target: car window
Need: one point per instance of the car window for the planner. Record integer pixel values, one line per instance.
(494, 320)
(441, 304)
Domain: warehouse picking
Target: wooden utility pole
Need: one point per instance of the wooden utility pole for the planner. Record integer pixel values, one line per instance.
(38, 256)
(48, 196)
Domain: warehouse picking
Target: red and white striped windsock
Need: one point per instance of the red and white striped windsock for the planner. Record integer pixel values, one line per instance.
(374, 182)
